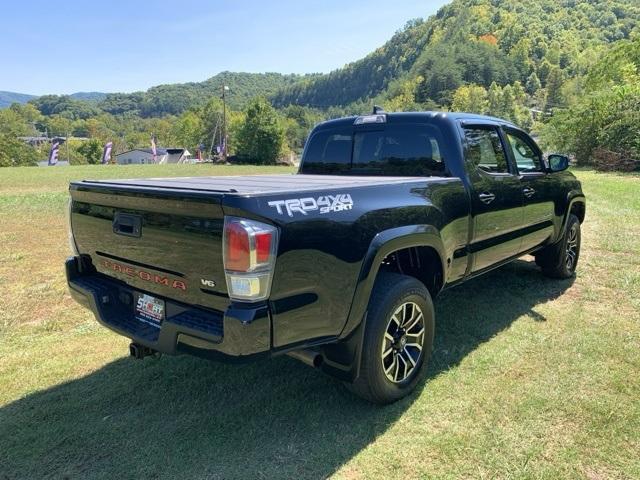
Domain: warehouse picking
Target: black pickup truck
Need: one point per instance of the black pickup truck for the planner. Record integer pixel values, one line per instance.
(336, 265)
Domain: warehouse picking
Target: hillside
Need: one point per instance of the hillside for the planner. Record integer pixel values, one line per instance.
(176, 98)
(7, 98)
(89, 96)
(476, 41)
(466, 42)
(526, 61)
(170, 99)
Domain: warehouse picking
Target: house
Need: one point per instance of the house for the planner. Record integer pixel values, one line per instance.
(140, 156)
(145, 155)
(178, 155)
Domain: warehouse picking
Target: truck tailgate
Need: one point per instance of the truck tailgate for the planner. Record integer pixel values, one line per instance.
(178, 251)
(167, 242)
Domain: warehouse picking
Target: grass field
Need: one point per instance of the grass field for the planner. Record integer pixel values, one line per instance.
(531, 378)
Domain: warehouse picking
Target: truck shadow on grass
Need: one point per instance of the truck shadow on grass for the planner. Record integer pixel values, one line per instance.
(188, 418)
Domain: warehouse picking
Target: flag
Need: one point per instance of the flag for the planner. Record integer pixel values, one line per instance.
(154, 150)
(53, 154)
(106, 153)
(222, 148)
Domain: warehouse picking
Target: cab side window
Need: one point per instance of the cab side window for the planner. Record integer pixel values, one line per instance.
(485, 151)
(526, 155)
(328, 152)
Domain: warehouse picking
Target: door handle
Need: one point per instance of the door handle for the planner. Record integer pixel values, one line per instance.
(528, 192)
(487, 198)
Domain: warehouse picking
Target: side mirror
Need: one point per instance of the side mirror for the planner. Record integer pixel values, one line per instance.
(557, 162)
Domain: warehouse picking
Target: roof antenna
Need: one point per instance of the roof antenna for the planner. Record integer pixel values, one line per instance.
(377, 109)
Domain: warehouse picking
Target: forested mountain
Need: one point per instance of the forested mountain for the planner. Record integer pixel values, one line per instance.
(89, 96)
(176, 98)
(568, 70)
(477, 42)
(160, 100)
(7, 98)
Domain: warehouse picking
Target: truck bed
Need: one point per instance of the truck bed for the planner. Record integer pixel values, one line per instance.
(245, 184)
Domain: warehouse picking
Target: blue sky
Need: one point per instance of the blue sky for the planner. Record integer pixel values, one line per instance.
(130, 45)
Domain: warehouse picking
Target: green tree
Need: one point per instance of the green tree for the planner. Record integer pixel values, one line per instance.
(607, 115)
(495, 101)
(555, 80)
(533, 84)
(27, 112)
(299, 122)
(13, 122)
(521, 55)
(187, 130)
(508, 103)
(470, 98)
(91, 151)
(515, 107)
(404, 96)
(14, 152)
(261, 137)
(57, 125)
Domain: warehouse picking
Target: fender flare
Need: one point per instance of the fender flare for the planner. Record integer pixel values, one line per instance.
(342, 359)
(572, 199)
(383, 244)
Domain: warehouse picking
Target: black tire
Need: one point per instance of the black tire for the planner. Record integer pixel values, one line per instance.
(561, 259)
(391, 294)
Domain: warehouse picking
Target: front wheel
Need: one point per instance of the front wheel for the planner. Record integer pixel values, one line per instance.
(398, 339)
(560, 260)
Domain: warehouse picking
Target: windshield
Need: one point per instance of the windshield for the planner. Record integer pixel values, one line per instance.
(402, 150)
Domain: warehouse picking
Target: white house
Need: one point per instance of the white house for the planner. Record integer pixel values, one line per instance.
(145, 155)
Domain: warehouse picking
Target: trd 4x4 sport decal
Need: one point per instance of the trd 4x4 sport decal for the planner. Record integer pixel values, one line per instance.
(324, 203)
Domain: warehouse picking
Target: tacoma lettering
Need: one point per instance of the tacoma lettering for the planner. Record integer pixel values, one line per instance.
(144, 275)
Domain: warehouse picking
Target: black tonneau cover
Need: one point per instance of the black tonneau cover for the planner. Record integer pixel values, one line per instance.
(247, 184)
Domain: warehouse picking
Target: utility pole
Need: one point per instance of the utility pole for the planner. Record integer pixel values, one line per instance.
(67, 142)
(224, 123)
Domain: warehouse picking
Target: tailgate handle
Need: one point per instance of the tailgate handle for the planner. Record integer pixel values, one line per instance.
(127, 224)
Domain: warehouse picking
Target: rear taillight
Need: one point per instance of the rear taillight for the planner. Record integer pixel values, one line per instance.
(249, 250)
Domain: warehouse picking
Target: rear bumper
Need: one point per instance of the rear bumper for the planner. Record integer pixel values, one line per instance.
(239, 332)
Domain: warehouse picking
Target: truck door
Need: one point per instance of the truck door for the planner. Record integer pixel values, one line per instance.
(496, 197)
(538, 189)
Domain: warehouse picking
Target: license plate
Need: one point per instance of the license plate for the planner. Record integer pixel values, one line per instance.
(149, 309)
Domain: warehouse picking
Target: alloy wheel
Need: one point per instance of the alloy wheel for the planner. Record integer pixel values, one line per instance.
(403, 341)
(572, 247)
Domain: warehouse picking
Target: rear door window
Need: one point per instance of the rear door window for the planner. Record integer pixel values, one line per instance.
(402, 150)
(485, 151)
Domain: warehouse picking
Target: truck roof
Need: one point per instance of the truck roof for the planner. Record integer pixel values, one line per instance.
(418, 117)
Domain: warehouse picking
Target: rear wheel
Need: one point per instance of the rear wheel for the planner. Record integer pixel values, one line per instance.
(560, 260)
(398, 339)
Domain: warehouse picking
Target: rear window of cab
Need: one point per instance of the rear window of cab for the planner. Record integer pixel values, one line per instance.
(390, 150)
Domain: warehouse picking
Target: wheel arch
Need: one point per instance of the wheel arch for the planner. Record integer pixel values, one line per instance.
(342, 359)
(576, 204)
(578, 207)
